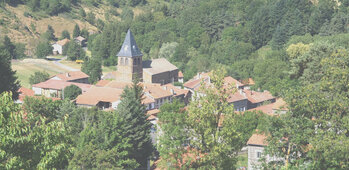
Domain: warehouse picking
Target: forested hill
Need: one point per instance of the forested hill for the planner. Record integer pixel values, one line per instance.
(249, 38)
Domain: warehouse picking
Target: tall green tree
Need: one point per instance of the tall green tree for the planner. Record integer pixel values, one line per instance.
(43, 49)
(93, 68)
(7, 75)
(172, 140)
(76, 31)
(50, 34)
(136, 126)
(65, 34)
(211, 120)
(101, 145)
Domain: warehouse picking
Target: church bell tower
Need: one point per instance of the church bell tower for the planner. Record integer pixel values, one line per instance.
(130, 60)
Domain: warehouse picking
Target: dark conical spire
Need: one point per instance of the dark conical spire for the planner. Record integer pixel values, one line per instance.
(129, 48)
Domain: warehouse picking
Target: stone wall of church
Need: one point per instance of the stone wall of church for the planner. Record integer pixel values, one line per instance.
(129, 68)
(162, 78)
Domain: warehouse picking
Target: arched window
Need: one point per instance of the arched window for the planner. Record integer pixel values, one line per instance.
(126, 61)
(139, 61)
(135, 61)
(121, 61)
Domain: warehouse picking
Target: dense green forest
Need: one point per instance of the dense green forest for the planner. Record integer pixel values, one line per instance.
(248, 38)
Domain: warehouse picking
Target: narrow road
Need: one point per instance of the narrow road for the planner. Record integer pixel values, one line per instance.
(57, 62)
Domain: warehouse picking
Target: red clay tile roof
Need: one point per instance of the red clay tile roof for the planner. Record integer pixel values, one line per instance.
(257, 97)
(180, 74)
(258, 139)
(63, 42)
(280, 104)
(155, 90)
(177, 91)
(152, 114)
(267, 109)
(195, 82)
(148, 100)
(26, 91)
(59, 85)
(98, 94)
(102, 83)
(117, 84)
(23, 92)
(74, 75)
(237, 96)
(231, 80)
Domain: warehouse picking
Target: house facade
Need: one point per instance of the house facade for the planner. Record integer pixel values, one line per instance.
(59, 46)
(55, 88)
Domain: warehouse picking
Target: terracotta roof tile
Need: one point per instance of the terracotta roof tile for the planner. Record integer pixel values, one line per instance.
(231, 80)
(267, 109)
(148, 100)
(117, 84)
(155, 90)
(280, 104)
(102, 83)
(59, 85)
(180, 74)
(257, 97)
(74, 75)
(176, 91)
(98, 94)
(257, 139)
(23, 92)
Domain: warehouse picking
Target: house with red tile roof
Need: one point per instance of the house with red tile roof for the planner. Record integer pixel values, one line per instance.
(55, 88)
(242, 99)
(101, 97)
(74, 76)
(102, 83)
(23, 92)
(255, 146)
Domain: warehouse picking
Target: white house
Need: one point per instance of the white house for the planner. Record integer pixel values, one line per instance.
(59, 46)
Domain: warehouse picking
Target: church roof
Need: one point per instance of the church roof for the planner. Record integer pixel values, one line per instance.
(129, 48)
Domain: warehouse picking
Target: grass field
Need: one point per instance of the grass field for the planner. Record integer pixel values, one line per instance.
(25, 69)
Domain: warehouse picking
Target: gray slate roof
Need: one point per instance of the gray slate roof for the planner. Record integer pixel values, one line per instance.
(129, 48)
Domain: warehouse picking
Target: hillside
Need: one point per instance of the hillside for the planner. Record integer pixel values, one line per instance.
(24, 26)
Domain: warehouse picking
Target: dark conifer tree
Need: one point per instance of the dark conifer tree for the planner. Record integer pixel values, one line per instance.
(8, 78)
(136, 127)
(76, 31)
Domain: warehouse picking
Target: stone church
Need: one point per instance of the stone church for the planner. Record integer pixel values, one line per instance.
(131, 66)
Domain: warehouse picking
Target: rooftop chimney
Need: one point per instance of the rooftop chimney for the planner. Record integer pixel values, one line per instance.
(165, 87)
(67, 74)
(172, 91)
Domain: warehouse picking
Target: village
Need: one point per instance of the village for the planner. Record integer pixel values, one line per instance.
(157, 77)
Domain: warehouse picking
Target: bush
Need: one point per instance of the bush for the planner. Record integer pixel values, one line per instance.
(71, 92)
(38, 77)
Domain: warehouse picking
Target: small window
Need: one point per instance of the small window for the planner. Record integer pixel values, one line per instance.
(135, 61)
(259, 154)
(126, 61)
(121, 61)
